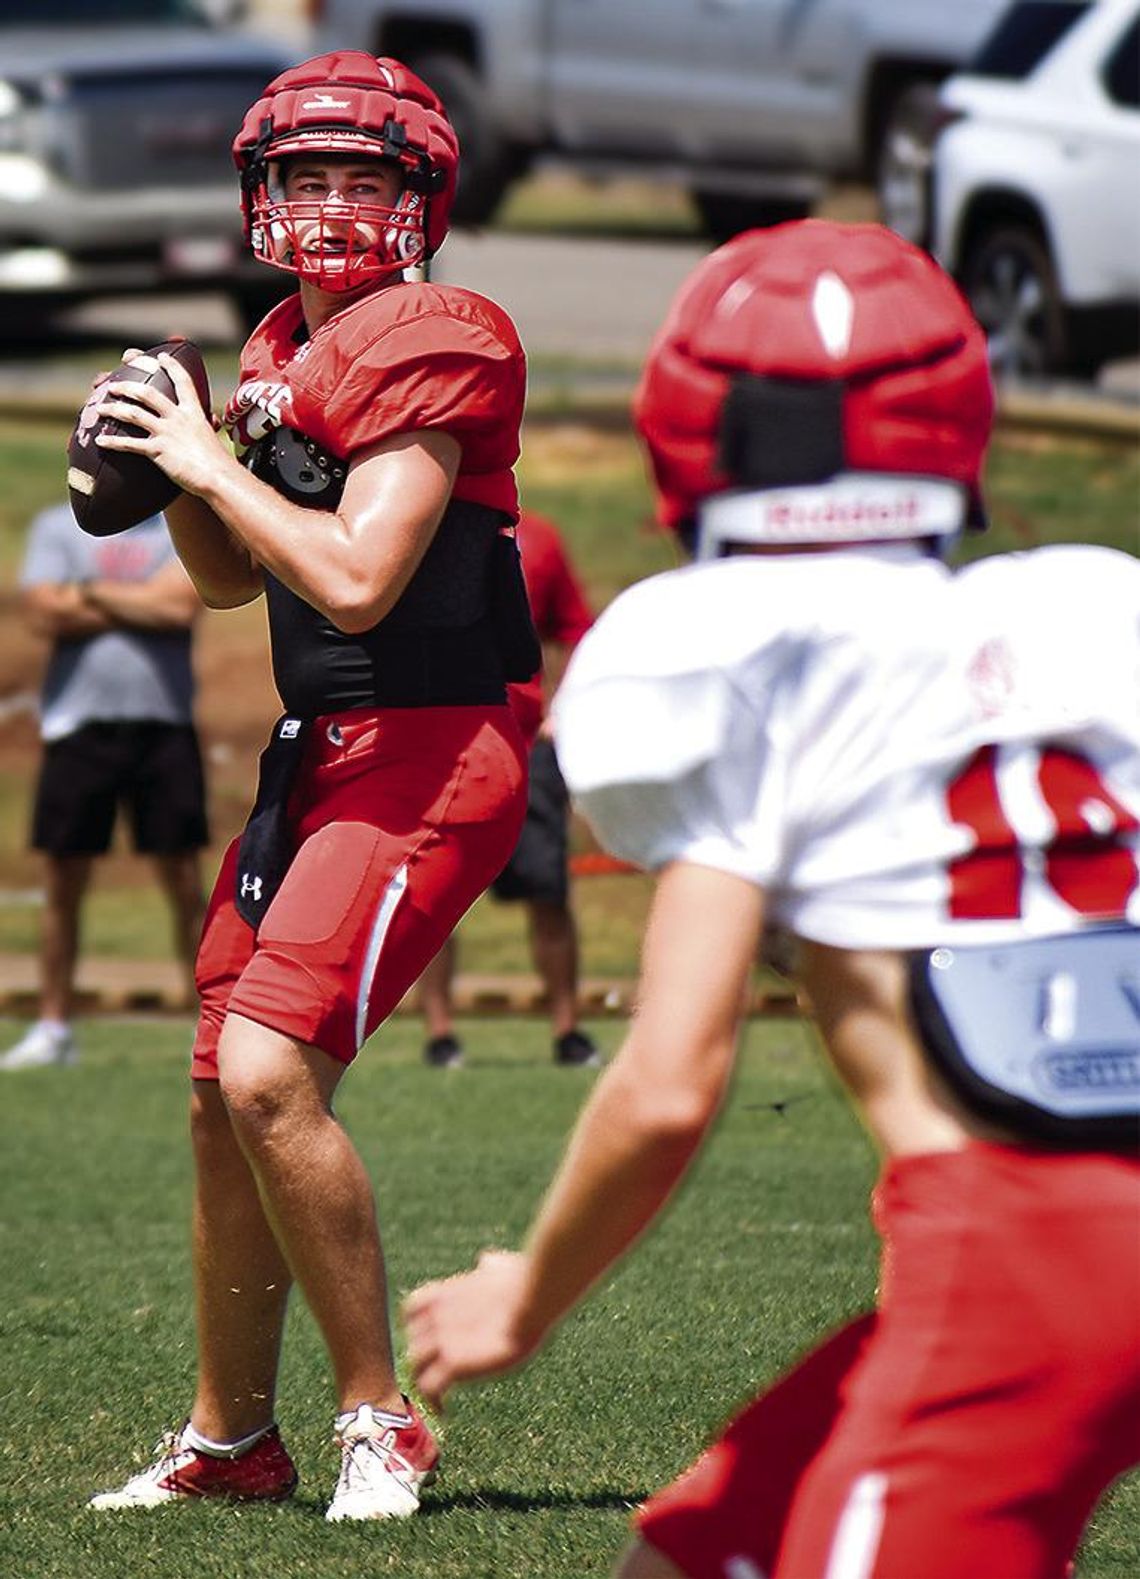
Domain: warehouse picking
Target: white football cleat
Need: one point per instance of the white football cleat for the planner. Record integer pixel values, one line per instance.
(41, 1046)
(385, 1460)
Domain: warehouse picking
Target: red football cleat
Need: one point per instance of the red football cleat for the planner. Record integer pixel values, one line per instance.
(264, 1473)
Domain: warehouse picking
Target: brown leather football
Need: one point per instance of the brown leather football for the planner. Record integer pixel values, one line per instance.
(112, 490)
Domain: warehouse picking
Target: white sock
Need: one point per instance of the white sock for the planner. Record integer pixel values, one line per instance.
(203, 1444)
(57, 1028)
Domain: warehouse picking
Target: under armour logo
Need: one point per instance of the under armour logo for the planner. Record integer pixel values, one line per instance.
(251, 885)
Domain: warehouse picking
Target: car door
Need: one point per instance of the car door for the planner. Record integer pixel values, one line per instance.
(620, 76)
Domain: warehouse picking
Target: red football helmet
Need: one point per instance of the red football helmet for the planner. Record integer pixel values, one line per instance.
(347, 104)
(817, 382)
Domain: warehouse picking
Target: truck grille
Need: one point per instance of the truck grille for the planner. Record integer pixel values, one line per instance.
(156, 129)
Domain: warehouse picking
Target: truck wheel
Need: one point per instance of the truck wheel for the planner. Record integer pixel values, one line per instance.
(725, 215)
(486, 163)
(1011, 284)
(902, 161)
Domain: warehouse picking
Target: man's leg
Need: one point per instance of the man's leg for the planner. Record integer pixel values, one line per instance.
(318, 1198)
(48, 1041)
(181, 879)
(241, 1281)
(443, 1048)
(554, 949)
(66, 879)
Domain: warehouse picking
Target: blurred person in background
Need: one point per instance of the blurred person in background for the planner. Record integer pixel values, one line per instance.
(538, 871)
(932, 778)
(371, 500)
(116, 719)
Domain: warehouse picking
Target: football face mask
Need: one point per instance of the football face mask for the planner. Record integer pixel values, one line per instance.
(335, 239)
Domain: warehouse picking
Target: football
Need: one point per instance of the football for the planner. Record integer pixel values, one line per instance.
(112, 490)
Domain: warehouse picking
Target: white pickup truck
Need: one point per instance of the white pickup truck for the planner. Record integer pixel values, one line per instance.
(755, 105)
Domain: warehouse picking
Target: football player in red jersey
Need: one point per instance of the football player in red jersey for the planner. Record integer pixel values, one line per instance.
(932, 778)
(371, 500)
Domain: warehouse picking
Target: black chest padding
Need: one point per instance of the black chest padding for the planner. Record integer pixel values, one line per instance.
(440, 645)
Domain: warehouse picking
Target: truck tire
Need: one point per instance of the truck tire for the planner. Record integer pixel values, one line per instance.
(487, 164)
(726, 214)
(1010, 282)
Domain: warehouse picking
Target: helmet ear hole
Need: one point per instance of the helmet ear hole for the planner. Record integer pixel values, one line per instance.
(775, 431)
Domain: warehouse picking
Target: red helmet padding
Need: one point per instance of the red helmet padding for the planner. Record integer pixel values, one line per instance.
(917, 396)
(341, 103)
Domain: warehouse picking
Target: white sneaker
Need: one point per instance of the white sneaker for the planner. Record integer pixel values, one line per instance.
(40, 1046)
(385, 1459)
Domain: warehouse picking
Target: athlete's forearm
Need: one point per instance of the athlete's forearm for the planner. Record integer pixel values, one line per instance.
(626, 1156)
(221, 568)
(59, 611)
(312, 552)
(160, 604)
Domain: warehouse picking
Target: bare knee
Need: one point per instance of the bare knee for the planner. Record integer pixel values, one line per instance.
(641, 1561)
(270, 1084)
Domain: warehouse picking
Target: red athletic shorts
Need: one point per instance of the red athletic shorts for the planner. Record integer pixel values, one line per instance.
(967, 1428)
(402, 817)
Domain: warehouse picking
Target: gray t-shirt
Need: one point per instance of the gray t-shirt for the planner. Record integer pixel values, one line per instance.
(121, 674)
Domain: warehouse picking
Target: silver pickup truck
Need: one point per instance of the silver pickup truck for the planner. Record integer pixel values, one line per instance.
(116, 120)
(754, 104)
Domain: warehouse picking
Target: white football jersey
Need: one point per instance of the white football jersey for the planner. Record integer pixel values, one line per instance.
(897, 752)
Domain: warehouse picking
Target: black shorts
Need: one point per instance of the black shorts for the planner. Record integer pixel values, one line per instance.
(537, 869)
(153, 771)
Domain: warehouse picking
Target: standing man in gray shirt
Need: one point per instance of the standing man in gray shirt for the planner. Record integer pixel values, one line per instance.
(118, 732)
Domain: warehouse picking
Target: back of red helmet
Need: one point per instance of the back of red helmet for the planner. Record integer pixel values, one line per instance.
(819, 356)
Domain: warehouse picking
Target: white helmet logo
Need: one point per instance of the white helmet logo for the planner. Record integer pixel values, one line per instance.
(325, 101)
(833, 308)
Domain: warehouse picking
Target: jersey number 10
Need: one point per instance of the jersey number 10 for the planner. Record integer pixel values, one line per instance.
(1086, 863)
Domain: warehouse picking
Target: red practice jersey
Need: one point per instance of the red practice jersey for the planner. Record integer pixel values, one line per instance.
(404, 359)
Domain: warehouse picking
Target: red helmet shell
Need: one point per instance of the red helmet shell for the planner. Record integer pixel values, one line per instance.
(810, 301)
(348, 102)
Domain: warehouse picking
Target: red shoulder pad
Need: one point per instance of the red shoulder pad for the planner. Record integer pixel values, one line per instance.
(415, 357)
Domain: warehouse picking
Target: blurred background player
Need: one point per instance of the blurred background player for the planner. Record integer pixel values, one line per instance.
(931, 777)
(538, 870)
(378, 422)
(116, 718)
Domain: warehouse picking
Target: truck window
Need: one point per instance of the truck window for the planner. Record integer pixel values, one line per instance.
(54, 13)
(1122, 72)
(1024, 36)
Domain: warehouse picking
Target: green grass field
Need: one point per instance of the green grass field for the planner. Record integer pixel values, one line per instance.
(768, 1244)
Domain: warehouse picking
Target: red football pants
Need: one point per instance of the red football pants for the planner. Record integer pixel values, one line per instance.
(402, 817)
(970, 1426)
